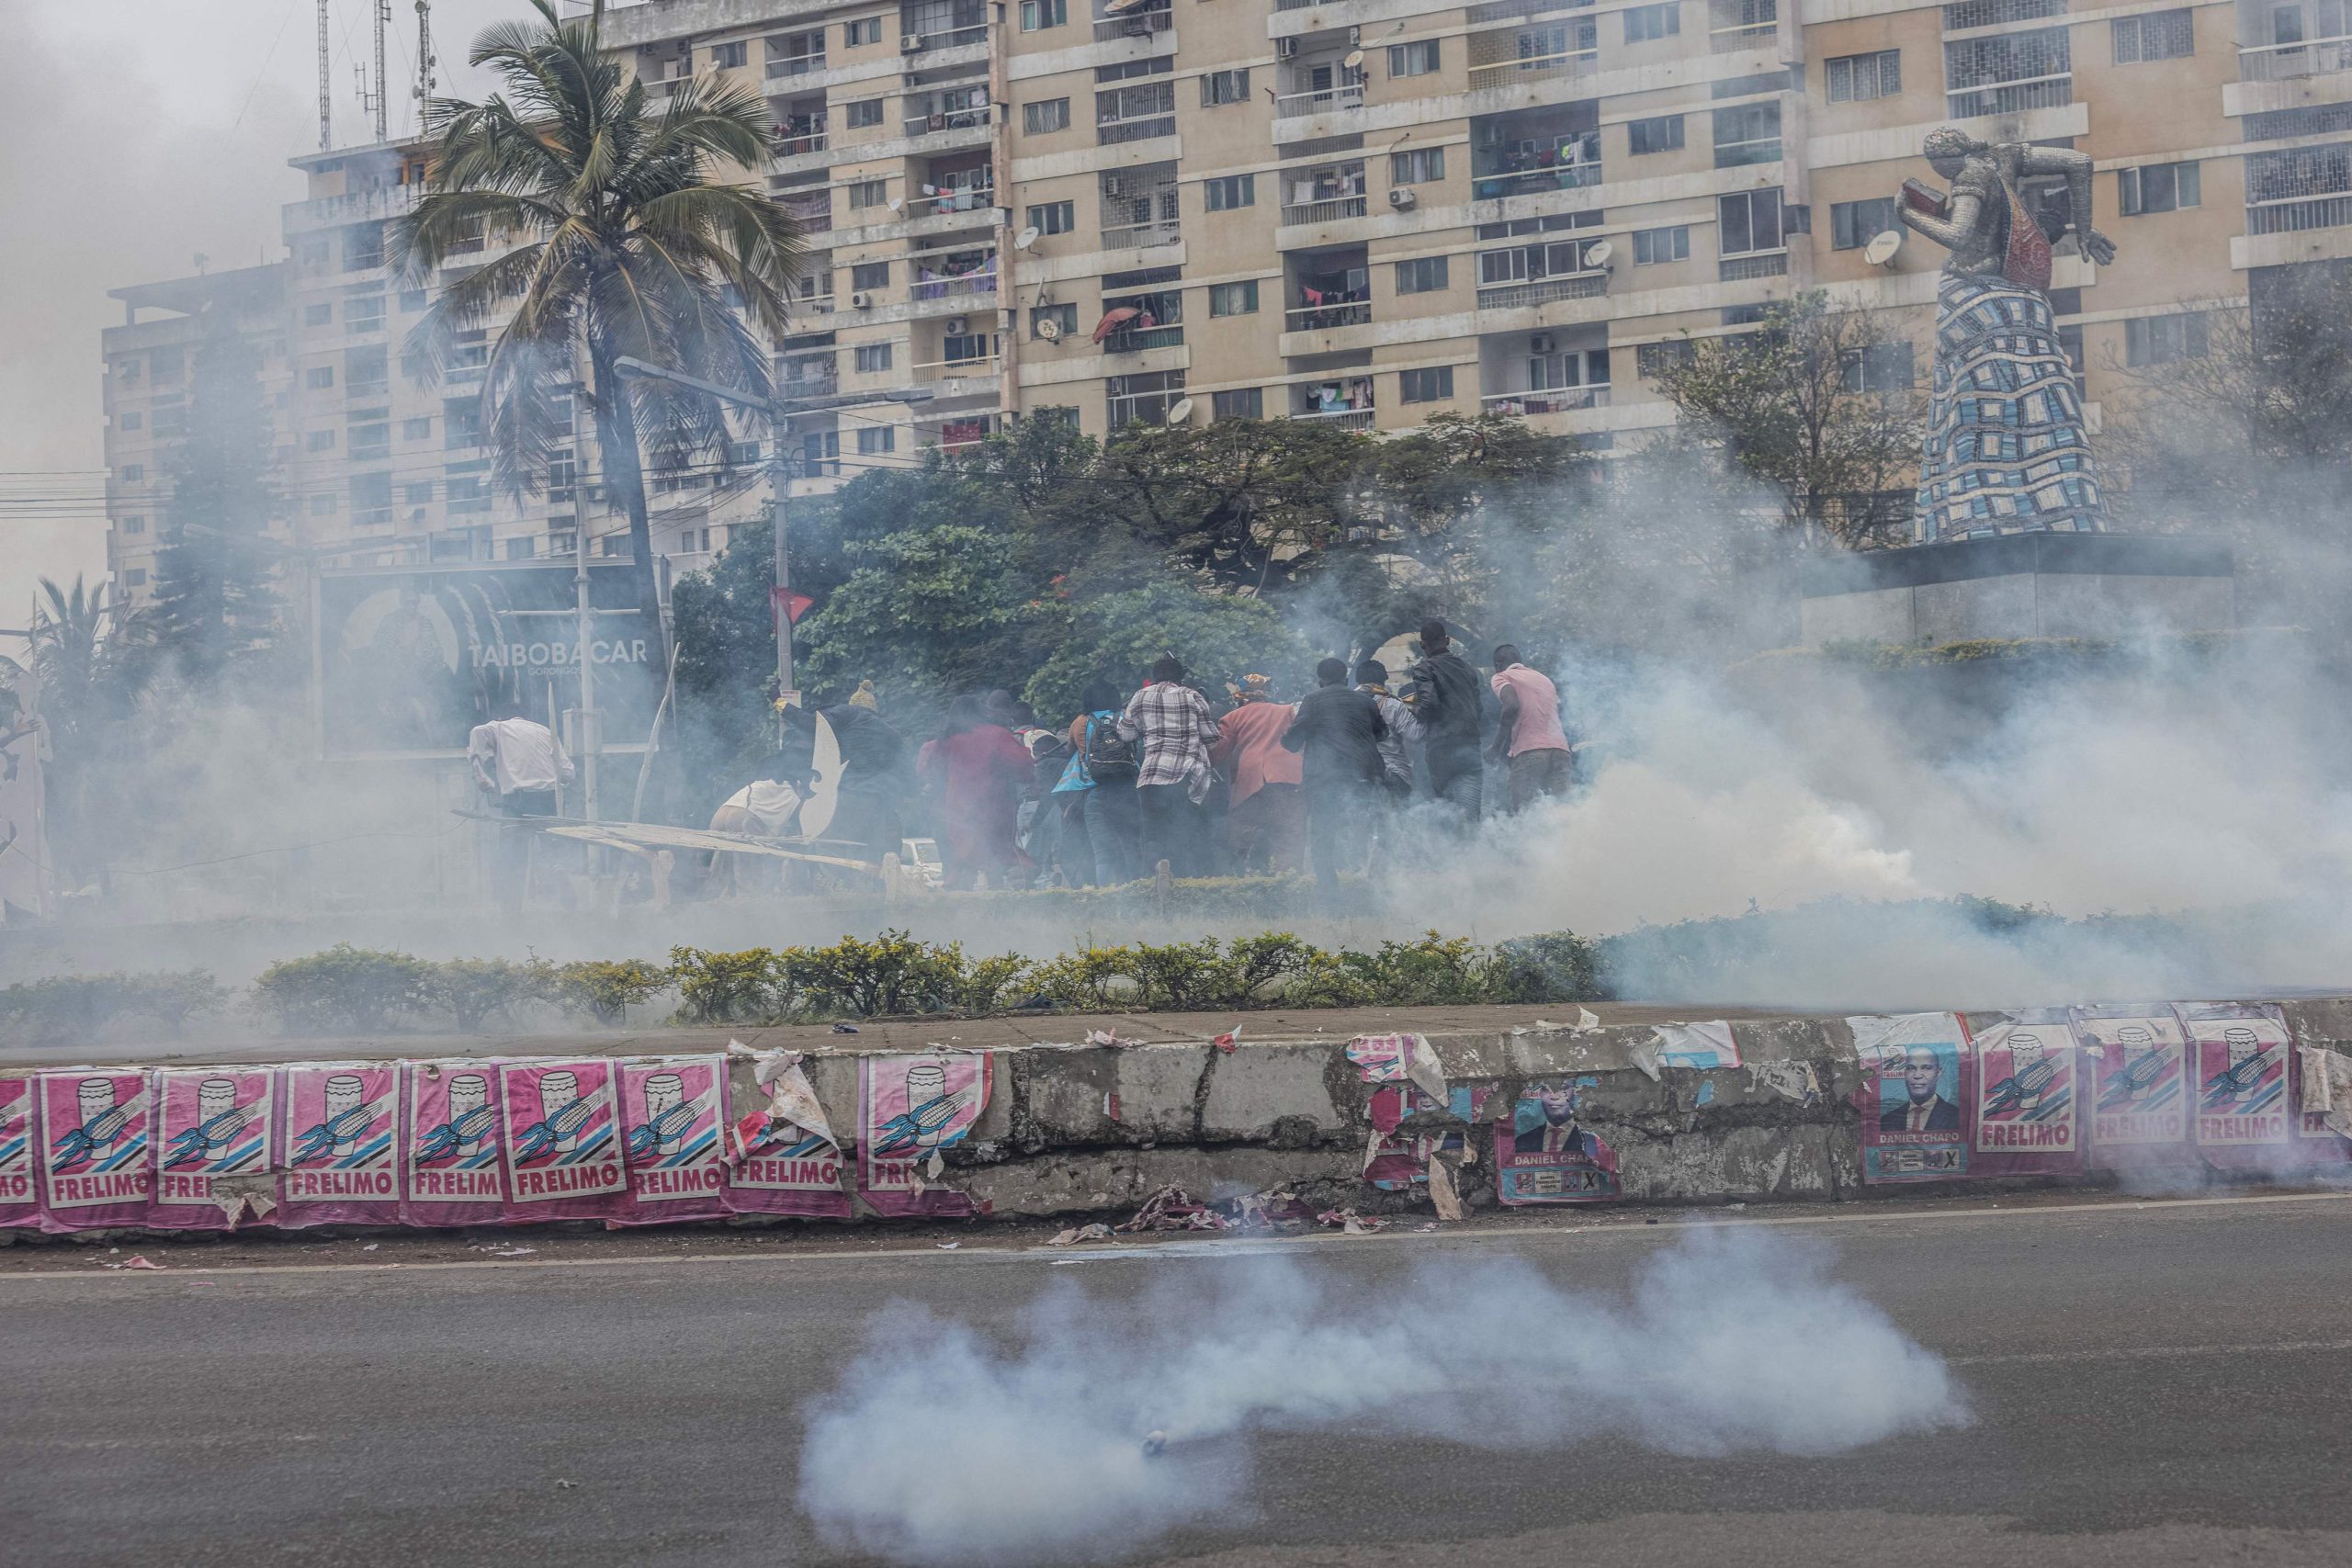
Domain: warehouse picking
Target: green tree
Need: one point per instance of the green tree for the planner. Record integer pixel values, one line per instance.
(1797, 403)
(626, 243)
(927, 613)
(215, 606)
(1220, 636)
(88, 662)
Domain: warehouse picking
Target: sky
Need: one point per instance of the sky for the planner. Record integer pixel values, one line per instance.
(136, 135)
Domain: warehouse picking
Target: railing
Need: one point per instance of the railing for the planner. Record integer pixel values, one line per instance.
(2295, 214)
(1503, 73)
(947, 119)
(2011, 97)
(961, 198)
(373, 517)
(1747, 35)
(1294, 5)
(1345, 418)
(1139, 127)
(954, 38)
(806, 139)
(954, 288)
(1136, 24)
(822, 383)
(1323, 318)
(1760, 264)
(386, 201)
(1329, 211)
(796, 65)
(1296, 105)
(1754, 149)
(1143, 340)
(2283, 62)
(1551, 400)
(1542, 290)
(371, 454)
(978, 364)
(1519, 182)
(810, 305)
(1142, 236)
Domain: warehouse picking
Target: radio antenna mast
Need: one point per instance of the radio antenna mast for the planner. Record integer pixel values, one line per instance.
(383, 81)
(326, 85)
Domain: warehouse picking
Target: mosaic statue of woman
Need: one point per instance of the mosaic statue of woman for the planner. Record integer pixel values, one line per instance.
(2007, 451)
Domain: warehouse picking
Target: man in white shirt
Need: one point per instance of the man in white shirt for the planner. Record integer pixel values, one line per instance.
(518, 763)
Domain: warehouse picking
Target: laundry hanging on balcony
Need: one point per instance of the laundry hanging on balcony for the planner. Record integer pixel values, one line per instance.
(1114, 320)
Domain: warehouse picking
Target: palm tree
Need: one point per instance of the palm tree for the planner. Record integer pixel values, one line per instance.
(629, 247)
(85, 662)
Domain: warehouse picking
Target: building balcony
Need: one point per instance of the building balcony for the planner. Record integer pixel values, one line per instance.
(795, 139)
(1338, 208)
(953, 38)
(2285, 61)
(358, 206)
(1522, 296)
(1145, 340)
(796, 65)
(963, 117)
(1551, 400)
(810, 214)
(1533, 68)
(2011, 97)
(1298, 106)
(1323, 318)
(1747, 35)
(1142, 236)
(1341, 418)
(1135, 128)
(2293, 215)
(1753, 264)
(971, 286)
(1504, 183)
(1137, 23)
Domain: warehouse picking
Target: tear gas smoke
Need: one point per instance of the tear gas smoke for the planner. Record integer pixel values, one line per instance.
(1725, 1342)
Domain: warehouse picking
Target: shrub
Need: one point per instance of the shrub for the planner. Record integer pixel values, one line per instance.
(1092, 979)
(724, 987)
(474, 988)
(892, 973)
(172, 996)
(987, 982)
(1559, 967)
(1179, 976)
(1256, 966)
(69, 1007)
(344, 988)
(1429, 971)
(608, 987)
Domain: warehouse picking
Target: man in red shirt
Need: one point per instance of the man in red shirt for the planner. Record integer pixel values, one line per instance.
(1528, 733)
(1265, 821)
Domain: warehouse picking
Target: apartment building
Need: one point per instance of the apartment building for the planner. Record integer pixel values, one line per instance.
(1366, 211)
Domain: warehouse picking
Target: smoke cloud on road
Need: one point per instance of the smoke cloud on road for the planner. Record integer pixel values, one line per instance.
(940, 1446)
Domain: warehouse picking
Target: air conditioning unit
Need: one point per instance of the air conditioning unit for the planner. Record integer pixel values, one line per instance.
(860, 300)
(1286, 49)
(1540, 342)
(909, 43)
(1401, 198)
(958, 325)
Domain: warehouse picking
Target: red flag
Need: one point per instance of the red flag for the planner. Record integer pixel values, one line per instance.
(801, 604)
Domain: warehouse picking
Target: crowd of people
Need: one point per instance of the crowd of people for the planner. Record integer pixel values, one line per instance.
(1261, 783)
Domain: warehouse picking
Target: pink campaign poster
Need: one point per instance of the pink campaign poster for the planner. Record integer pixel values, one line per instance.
(94, 1151)
(2029, 1104)
(1546, 1154)
(455, 1175)
(2135, 1069)
(340, 1163)
(910, 1107)
(563, 1140)
(673, 1110)
(2239, 1057)
(212, 1148)
(20, 1206)
(782, 1155)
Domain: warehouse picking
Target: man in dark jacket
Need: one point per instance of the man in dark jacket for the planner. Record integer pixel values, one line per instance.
(1444, 693)
(1339, 730)
(873, 776)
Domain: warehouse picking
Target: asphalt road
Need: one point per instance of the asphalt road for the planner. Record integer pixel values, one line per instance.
(2152, 1384)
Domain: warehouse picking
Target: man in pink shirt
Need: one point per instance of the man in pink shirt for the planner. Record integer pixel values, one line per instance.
(1529, 732)
(1265, 819)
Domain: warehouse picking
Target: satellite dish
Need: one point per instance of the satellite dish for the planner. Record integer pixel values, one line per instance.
(825, 781)
(1354, 61)
(1597, 253)
(1179, 413)
(1881, 251)
(1049, 329)
(1024, 240)
(895, 203)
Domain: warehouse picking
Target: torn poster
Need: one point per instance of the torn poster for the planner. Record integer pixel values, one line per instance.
(2029, 1105)
(781, 1156)
(1704, 1046)
(910, 1109)
(340, 1159)
(563, 1140)
(1546, 1156)
(212, 1124)
(2137, 1077)
(19, 1204)
(95, 1156)
(2238, 1061)
(457, 1171)
(2327, 1083)
(1790, 1080)
(1380, 1058)
(1917, 1073)
(674, 1121)
(1394, 1161)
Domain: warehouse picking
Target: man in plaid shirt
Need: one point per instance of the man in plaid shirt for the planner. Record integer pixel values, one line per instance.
(1174, 727)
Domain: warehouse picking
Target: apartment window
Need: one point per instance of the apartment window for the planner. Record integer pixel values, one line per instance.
(170, 420)
(876, 438)
(1064, 317)
(319, 441)
(1749, 221)
(1134, 113)
(1646, 24)
(413, 301)
(1147, 396)
(460, 423)
(322, 506)
(2157, 187)
(133, 473)
(866, 30)
(468, 494)
(1853, 78)
(1652, 246)
(1879, 367)
(861, 113)
(319, 377)
(363, 246)
(1853, 224)
(371, 440)
(134, 577)
(1662, 133)
(417, 429)
(964, 348)
(1218, 87)
(134, 525)
(1233, 298)
(132, 421)
(1431, 386)
(872, 357)
(869, 193)
(2160, 35)
(730, 56)
(364, 313)
(316, 315)
(1045, 117)
(1423, 165)
(314, 253)
(522, 549)
(1054, 216)
(1243, 402)
(1038, 15)
(420, 495)
(1423, 275)
(1231, 191)
(2008, 72)
(1413, 58)
(1747, 133)
(2160, 340)
(866, 276)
